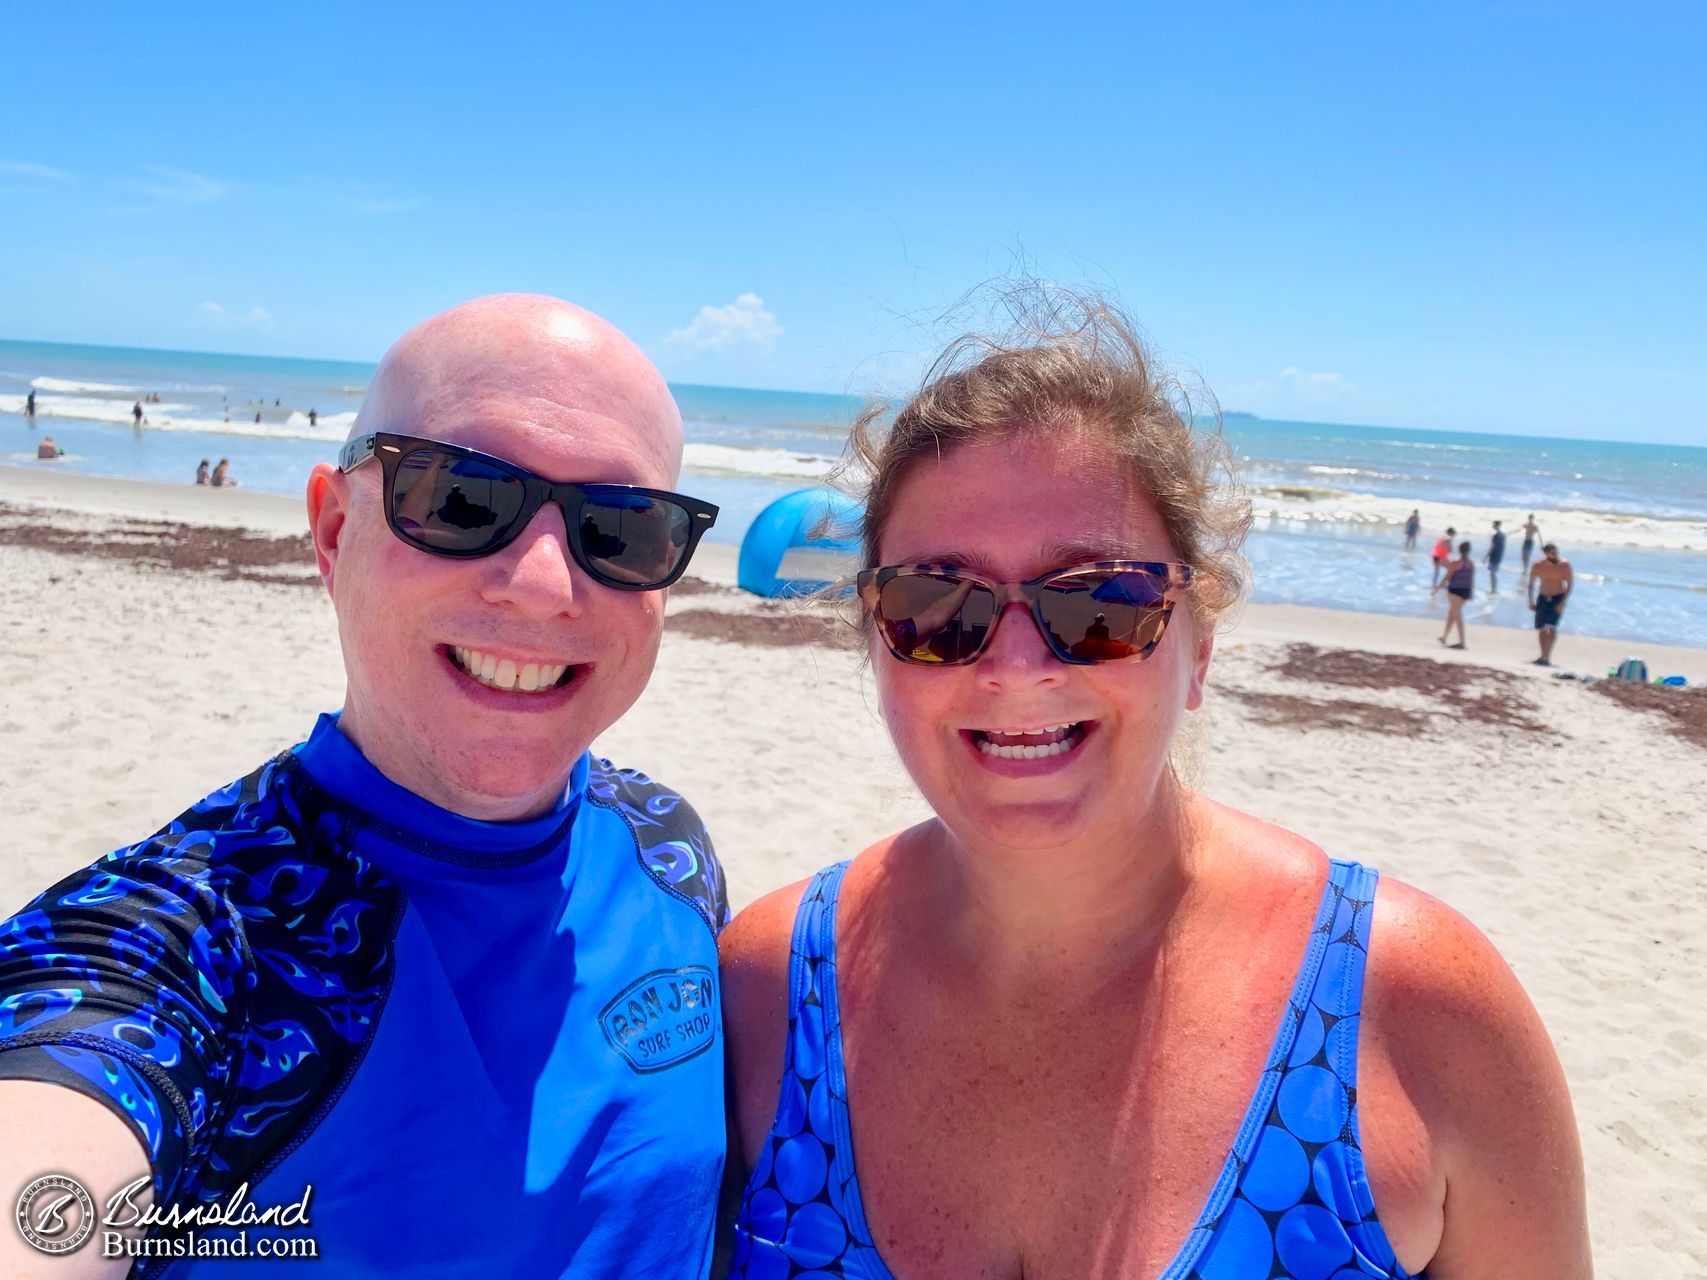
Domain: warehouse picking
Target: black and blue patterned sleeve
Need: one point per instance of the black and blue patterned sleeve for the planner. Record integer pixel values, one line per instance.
(124, 982)
(671, 841)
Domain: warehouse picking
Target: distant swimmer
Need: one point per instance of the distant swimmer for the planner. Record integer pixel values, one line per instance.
(1531, 531)
(30, 404)
(47, 450)
(1496, 553)
(1412, 526)
(1442, 556)
(136, 414)
(221, 478)
(313, 418)
(1460, 585)
(1550, 583)
(257, 415)
(201, 472)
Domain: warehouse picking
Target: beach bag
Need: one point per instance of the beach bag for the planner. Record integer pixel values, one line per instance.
(1632, 669)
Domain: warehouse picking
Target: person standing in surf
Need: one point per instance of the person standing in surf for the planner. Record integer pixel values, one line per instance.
(1550, 583)
(1531, 531)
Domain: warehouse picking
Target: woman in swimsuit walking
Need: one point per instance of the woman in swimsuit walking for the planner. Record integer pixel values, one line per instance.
(1460, 586)
(1085, 1021)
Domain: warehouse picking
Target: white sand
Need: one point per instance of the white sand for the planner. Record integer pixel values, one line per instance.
(1577, 844)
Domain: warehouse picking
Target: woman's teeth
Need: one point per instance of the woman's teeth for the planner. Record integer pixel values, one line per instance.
(1029, 744)
(503, 673)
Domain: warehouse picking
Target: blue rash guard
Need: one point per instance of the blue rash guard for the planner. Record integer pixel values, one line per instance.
(1293, 1199)
(491, 1049)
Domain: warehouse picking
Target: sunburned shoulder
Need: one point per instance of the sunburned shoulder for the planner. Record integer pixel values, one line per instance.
(1425, 955)
(1437, 986)
(1475, 1066)
(1428, 964)
(753, 965)
(1259, 850)
(753, 951)
(754, 954)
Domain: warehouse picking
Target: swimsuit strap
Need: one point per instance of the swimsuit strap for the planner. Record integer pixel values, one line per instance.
(800, 1212)
(1300, 1173)
(1335, 1006)
(811, 967)
(1294, 1188)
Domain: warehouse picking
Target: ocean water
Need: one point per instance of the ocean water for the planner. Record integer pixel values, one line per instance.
(1329, 500)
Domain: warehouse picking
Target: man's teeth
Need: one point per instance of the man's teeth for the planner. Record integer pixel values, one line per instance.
(1029, 744)
(504, 673)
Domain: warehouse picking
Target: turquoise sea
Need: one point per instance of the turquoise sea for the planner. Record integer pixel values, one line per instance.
(1330, 499)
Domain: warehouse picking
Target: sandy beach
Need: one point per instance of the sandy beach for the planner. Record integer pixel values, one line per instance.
(162, 639)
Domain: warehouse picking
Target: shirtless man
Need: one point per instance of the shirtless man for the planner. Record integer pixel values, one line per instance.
(1549, 586)
(1531, 531)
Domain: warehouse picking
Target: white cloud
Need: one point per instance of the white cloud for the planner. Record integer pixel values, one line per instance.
(1317, 386)
(743, 323)
(180, 186)
(219, 317)
(30, 170)
(175, 187)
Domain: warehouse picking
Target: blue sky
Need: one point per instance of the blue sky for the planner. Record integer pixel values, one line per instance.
(1476, 217)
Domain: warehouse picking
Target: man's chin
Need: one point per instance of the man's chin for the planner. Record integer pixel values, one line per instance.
(504, 799)
(507, 777)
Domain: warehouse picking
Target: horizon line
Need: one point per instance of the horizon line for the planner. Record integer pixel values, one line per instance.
(1219, 417)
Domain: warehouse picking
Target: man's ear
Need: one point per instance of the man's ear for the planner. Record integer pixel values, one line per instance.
(1199, 671)
(328, 514)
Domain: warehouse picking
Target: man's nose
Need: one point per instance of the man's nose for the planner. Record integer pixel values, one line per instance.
(536, 574)
(1017, 655)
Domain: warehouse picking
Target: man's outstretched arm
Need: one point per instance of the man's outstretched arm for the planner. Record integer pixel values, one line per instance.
(47, 1128)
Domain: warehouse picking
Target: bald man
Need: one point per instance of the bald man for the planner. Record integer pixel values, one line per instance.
(434, 991)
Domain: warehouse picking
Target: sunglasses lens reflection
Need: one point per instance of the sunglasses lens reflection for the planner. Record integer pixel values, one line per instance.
(1104, 616)
(632, 539)
(930, 619)
(444, 502)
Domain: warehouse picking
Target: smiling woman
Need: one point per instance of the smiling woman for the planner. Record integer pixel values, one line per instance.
(1086, 1021)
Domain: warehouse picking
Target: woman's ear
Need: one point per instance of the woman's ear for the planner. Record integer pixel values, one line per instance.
(1199, 671)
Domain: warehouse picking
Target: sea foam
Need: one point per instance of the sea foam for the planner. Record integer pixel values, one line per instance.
(756, 462)
(65, 384)
(1568, 526)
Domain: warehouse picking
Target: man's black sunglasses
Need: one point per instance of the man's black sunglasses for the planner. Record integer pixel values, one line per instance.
(457, 502)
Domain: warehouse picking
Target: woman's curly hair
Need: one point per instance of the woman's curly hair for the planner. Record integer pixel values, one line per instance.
(1068, 361)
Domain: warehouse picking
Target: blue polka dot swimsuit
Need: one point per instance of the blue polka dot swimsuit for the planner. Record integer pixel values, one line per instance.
(1292, 1199)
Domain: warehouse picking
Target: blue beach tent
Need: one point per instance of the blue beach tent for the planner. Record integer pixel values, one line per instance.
(781, 557)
